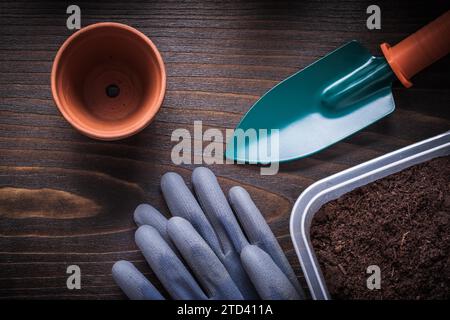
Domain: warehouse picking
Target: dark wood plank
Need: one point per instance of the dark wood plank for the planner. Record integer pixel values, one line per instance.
(66, 199)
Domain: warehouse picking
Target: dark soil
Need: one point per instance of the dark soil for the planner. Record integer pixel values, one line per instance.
(400, 223)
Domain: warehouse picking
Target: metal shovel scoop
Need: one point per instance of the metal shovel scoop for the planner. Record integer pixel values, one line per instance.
(334, 97)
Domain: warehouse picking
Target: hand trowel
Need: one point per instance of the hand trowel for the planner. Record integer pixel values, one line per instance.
(334, 97)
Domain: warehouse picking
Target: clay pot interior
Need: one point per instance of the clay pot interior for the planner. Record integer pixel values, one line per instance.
(109, 80)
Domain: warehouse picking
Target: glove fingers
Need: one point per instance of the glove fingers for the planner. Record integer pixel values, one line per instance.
(270, 282)
(208, 269)
(133, 283)
(145, 214)
(219, 213)
(182, 203)
(216, 207)
(169, 269)
(259, 233)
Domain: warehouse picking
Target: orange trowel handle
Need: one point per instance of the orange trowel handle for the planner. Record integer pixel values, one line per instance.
(420, 49)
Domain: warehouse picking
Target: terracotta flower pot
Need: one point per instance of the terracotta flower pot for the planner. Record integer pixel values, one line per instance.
(108, 80)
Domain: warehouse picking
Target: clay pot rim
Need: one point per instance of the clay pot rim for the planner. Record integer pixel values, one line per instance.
(110, 134)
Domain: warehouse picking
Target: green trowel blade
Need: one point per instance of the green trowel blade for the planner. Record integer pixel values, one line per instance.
(318, 106)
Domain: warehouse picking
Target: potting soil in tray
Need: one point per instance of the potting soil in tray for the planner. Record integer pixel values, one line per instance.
(401, 224)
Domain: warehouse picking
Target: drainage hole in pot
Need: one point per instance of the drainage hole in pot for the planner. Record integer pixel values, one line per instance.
(112, 90)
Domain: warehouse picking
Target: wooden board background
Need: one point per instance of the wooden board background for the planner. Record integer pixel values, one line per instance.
(66, 199)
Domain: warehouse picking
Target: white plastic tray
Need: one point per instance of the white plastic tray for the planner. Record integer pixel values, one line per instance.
(340, 183)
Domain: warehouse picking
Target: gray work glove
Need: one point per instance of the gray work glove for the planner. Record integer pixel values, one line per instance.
(203, 252)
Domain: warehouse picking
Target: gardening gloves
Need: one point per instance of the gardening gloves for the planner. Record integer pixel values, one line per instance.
(203, 251)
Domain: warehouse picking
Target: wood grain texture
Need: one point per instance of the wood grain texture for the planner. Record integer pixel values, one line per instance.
(66, 199)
